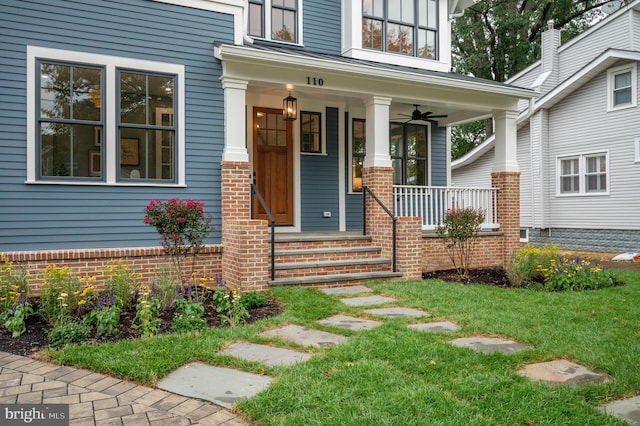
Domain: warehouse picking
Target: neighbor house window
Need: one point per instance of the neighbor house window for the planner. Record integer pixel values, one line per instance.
(274, 19)
(310, 132)
(583, 174)
(408, 150)
(104, 119)
(408, 27)
(622, 87)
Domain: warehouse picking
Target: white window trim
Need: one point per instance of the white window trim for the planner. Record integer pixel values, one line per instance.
(110, 64)
(526, 235)
(637, 149)
(352, 40)
(267, 25)
(582, 174)
(610, 86)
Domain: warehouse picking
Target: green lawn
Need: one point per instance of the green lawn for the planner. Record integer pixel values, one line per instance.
(393, 375)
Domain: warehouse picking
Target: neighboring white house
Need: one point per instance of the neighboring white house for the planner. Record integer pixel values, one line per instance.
(578, 143)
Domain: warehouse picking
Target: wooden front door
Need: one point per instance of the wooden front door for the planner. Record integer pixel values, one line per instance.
(273, 164)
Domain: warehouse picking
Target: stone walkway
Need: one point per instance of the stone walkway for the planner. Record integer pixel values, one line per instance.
(196, 393)
(96, 399)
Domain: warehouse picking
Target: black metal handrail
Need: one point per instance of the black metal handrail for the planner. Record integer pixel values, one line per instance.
(366, 190)
(272, 224)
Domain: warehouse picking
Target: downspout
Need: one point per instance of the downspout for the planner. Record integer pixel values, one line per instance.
(453, 8)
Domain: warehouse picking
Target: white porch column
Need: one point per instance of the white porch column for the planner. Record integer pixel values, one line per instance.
(235, 125)
(506, 131)
(377, 114)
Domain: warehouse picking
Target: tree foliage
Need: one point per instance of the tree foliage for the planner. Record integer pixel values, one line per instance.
(495, 39)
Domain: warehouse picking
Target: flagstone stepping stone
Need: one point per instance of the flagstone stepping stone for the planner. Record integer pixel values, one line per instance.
(346, 290)
(264, 354)
(398, 312)
(350, 323)
(561, 372)
(435, 327)
(305, 336)
(222, 386)
(367, 300)
(490, 344)
(628, 409)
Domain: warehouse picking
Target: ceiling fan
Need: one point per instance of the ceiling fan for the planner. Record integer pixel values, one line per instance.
(424, 116)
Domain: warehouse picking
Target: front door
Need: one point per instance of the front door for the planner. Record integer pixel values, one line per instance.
(273, 164)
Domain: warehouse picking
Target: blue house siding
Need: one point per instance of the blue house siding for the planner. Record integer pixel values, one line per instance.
(58, 216)
(322, 31)
(438, 155)
(319, 182)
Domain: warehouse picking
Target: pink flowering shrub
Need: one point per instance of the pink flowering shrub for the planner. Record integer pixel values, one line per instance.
(458, 230)
(183, 226)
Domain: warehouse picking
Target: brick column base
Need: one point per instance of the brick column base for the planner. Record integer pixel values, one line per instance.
(508, 211)
(409, 247)
(236, 190)
(245, 260)
(379, 223)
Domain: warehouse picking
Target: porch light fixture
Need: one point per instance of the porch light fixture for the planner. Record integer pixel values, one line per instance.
(289, 108)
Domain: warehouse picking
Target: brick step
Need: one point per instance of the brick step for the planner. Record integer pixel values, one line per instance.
(331, 267)
(328, 253)
(320, 240)
(327, 280)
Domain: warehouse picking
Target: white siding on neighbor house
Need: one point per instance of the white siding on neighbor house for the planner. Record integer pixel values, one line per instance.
(577, 53)
(476, 174)
(526, 188)
(635, 37)
(596, 130)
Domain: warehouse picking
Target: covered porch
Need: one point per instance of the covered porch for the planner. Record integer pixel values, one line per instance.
(380, 98)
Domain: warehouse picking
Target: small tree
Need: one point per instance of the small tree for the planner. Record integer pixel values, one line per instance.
(183, 226)
(458, 230)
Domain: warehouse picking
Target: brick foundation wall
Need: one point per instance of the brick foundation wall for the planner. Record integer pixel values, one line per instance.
(487, 252)
(146, 261)
(409, 247)
(508, 184)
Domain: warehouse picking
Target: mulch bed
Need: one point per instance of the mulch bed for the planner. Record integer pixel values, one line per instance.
(489, 276)
(35, 338)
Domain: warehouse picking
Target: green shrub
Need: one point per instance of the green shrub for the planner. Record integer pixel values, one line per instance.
(576, 274)
(15, 307)
(458, 230)
(106, 315)
(167, 281)
(227, 302)
(68, 332)
(253, 300)
(525, 266)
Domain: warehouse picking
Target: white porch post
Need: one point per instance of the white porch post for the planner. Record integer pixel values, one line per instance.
(506, 132)
(235, 127)
(377, 127)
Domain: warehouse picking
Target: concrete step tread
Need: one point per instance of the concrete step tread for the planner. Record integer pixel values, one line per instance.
(325, 263)
(327, 250)
(320, 279)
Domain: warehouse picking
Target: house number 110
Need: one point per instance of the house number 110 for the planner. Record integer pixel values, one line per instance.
(312, 81)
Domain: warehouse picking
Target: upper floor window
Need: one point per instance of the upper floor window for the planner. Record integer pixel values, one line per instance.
(98, 118)
(408, 27)
(274, 20)
(622, 82)
(583, 174)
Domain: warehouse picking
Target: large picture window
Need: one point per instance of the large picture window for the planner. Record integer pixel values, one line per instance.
(274, 20)
(408, 27)
(583, 174)
(103, 119)
(408, 147)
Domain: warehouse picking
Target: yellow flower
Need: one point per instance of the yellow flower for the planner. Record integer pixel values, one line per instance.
(81, 302)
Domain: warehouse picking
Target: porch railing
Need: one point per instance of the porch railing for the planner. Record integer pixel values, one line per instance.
(272, 224)
(431, 202)
(366, 190)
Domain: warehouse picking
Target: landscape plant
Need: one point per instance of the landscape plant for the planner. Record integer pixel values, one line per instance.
(183, 226)
(124, 282)
(458, 230)
(572, 274)
(70, 331)
(15, 306)
(526, 265)
(64, 295)
(190, 311)
(106, 315)
(147, 318)
(228, 303)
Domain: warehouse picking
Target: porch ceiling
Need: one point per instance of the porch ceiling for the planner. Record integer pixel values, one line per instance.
(276, 69)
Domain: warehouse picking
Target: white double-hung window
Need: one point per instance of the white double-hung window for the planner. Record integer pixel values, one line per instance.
(583, 174)
(104, 120)
(622, 87)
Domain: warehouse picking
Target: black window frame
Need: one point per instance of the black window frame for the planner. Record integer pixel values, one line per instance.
(304, 132)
